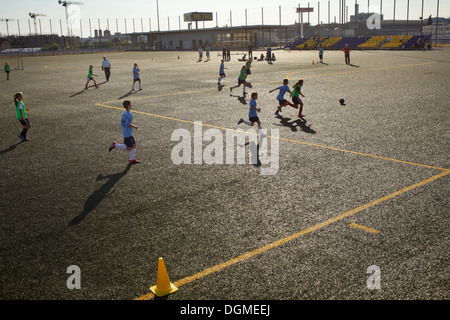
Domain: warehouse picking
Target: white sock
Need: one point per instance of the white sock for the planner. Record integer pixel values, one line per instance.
(133, 153)
(121, 146)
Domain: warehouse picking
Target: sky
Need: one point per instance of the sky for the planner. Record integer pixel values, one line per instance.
(141, 15)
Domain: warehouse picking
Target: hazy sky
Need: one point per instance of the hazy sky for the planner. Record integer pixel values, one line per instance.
(119, 14)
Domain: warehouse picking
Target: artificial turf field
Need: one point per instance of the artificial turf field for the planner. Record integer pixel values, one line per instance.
(359, 185)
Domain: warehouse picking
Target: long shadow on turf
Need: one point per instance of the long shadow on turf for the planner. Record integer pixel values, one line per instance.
(11, 148)
(240, 98)
(98, 195)
(252, 147)
(294, 125)
(127, 94)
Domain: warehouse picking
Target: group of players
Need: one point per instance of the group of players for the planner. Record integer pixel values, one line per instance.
(127, 118)
(283, 90)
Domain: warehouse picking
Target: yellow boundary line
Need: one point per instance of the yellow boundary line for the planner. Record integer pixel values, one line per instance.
(281, 139)
(294, 236)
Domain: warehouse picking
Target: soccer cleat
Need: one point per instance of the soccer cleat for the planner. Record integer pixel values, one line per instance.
(240, 121)
(231, 89)
(301, 116)
(134, 161)
(113, 145)
(276, 113)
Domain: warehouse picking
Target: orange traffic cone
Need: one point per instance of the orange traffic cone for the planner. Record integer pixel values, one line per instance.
(163, 285)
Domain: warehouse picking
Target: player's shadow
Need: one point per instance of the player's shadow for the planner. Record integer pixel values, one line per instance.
(296, 125)
(253, 156)
(78, 93)
(353, 65)
(100, 194)
(241, 99)
(11, 148)
(220, 87)
(127, 94)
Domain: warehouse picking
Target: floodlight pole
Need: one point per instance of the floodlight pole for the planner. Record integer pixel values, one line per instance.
(157, 13)
(421, 21)
(301, 25)
(437, 23)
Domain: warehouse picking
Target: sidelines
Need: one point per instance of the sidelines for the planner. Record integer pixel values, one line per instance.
(294, 236)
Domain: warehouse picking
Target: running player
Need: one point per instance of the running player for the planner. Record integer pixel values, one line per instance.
(296, 92)
(253, 113)
(127, 130)
(241, 79)
(281, 100)
(221, 72)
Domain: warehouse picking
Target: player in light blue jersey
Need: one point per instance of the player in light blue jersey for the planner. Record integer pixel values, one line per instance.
(221, 72)
(127, 130)
(281, 100)
(136, 76)
(253, 113)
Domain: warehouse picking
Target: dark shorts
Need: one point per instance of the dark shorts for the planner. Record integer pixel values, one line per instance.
(25, 122)
(296, 100)
(241, 81)
(253, 119)
(136, 79)
(129, 142)
(248, 71)
(222, 75)
(282, 102)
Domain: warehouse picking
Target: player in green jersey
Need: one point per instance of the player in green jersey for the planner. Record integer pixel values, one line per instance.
(21, 114)
(241, 79)
(91, 77)
(7, 70)
(297, 91)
